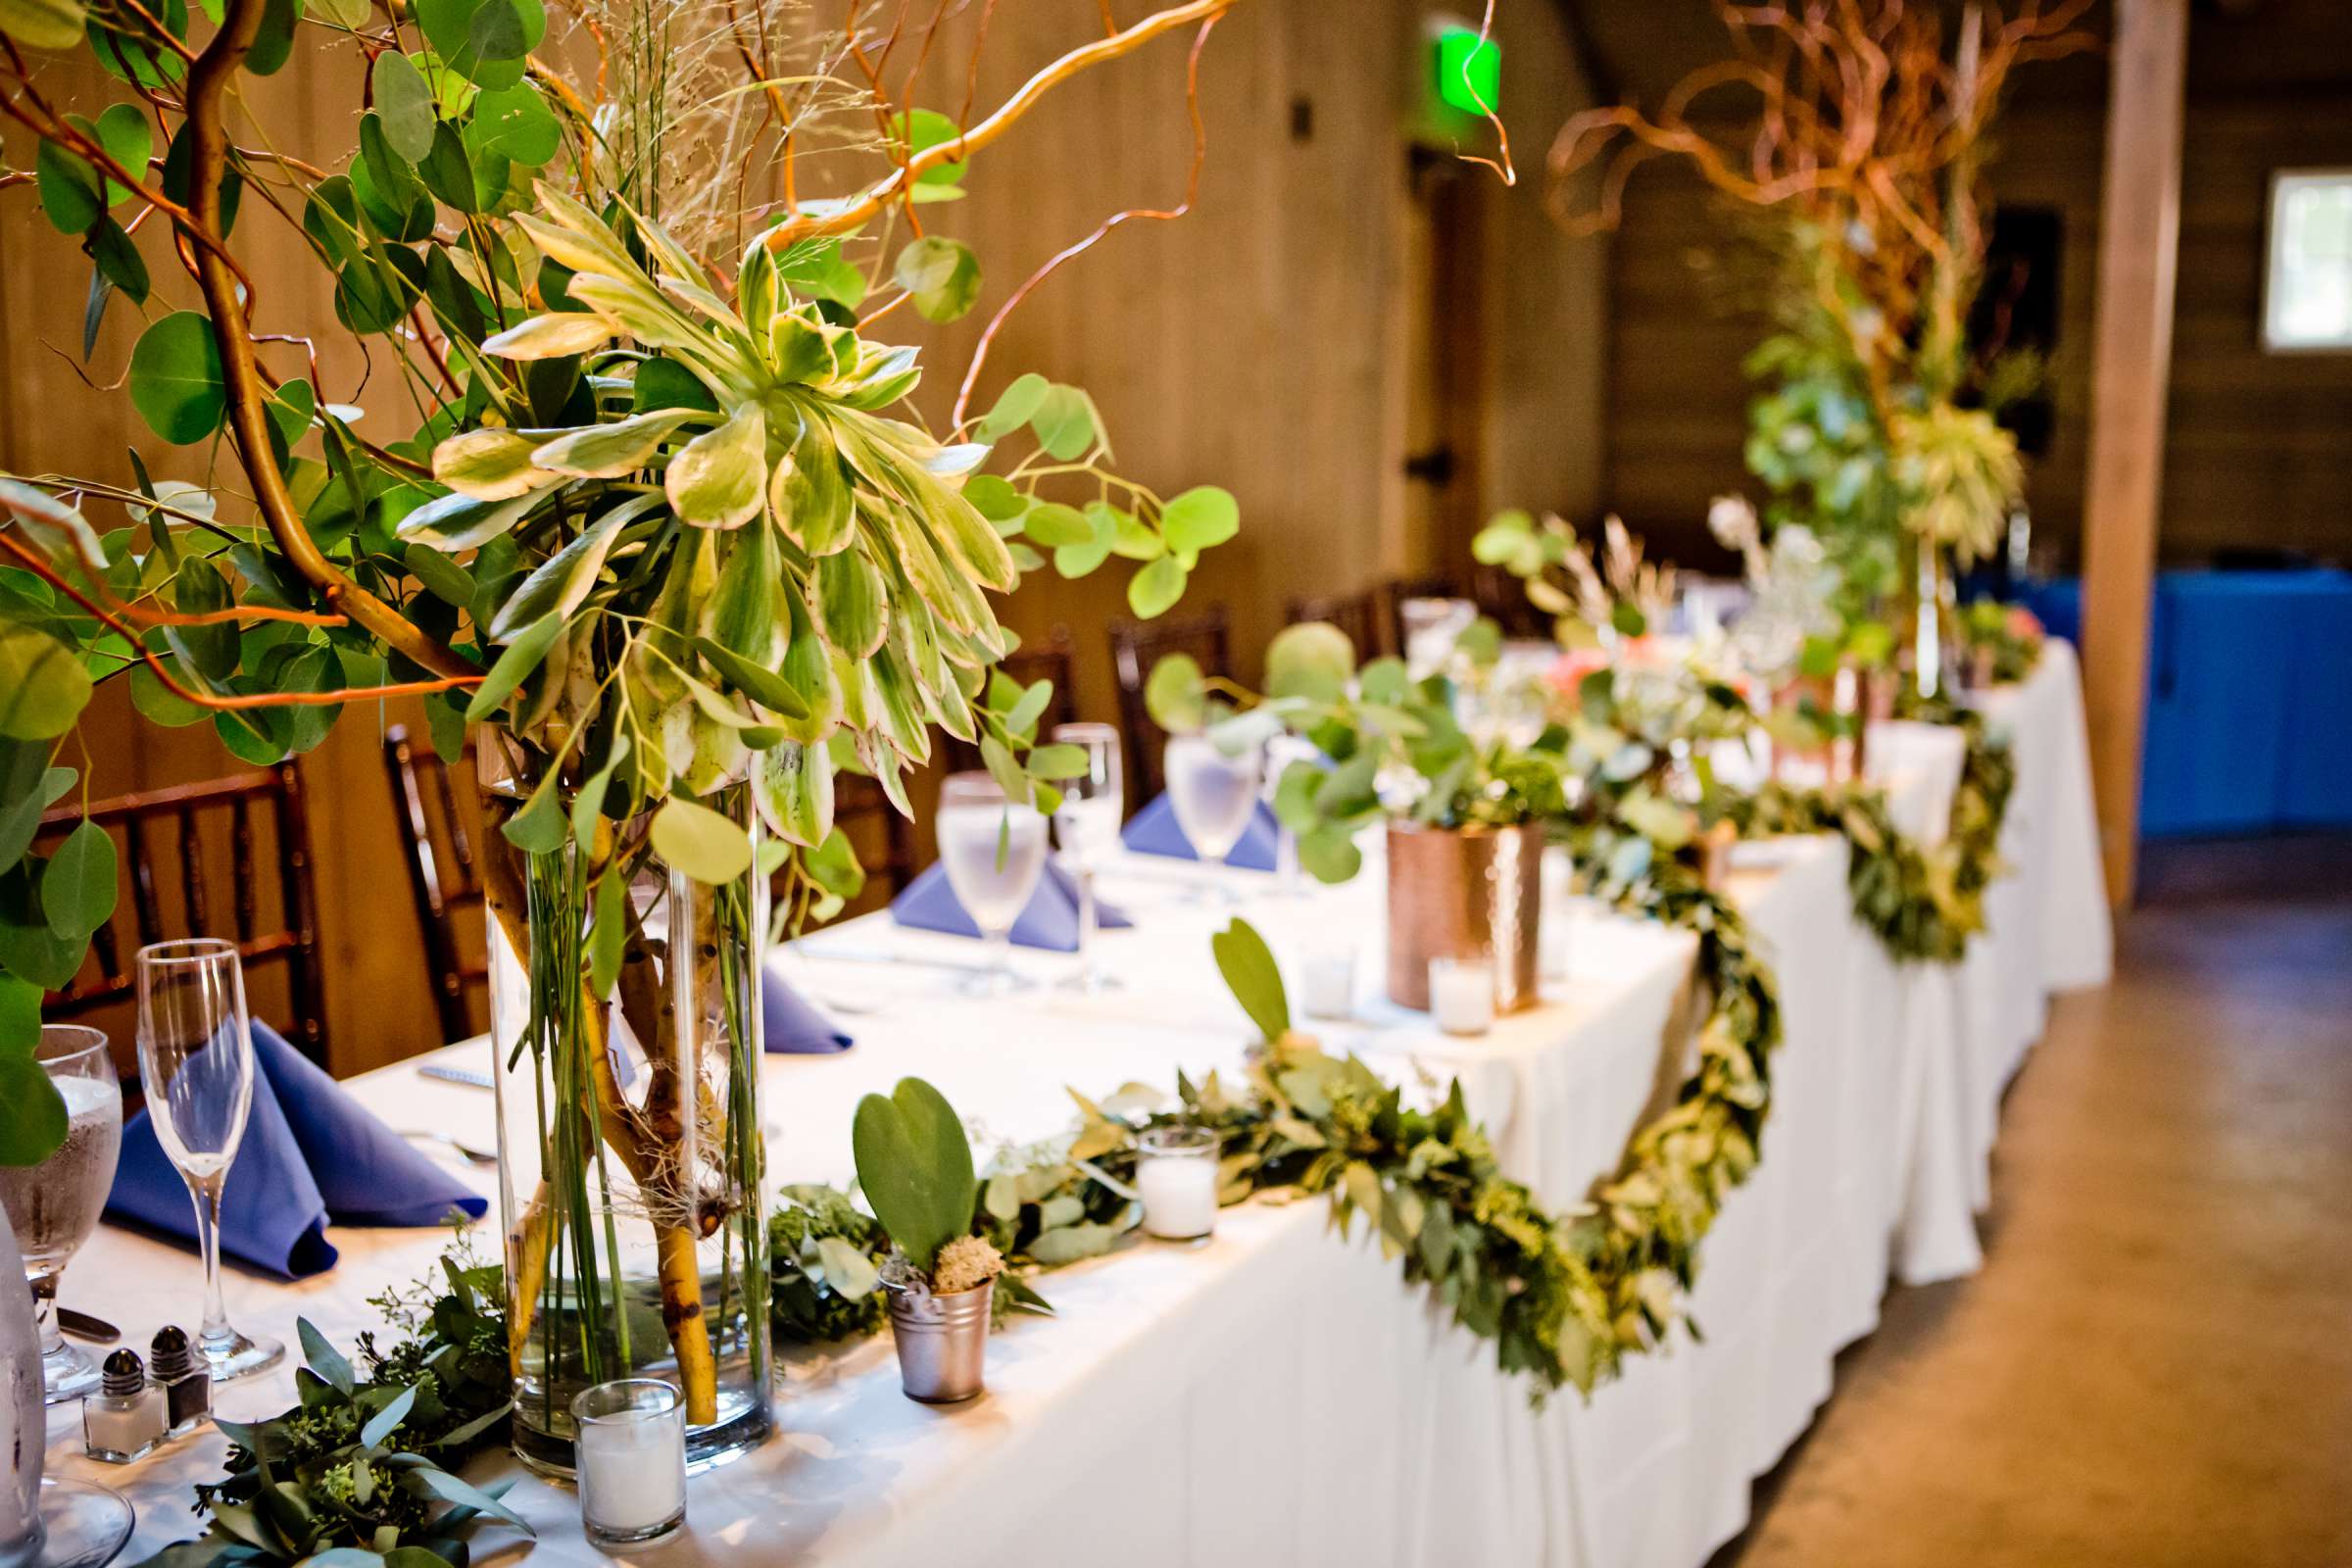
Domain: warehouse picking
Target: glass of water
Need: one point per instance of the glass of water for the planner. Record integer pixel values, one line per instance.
(54, 1207)
(994, 851)
(196, 1055)
(1086, 831)
(1214, 794)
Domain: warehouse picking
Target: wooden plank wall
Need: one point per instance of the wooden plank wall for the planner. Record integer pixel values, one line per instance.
(1253, 345)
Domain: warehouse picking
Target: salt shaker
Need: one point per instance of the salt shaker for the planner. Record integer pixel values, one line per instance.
(124, 1419)
(186, 1378)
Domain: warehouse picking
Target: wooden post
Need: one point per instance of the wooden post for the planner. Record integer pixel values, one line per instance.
(2139, 221)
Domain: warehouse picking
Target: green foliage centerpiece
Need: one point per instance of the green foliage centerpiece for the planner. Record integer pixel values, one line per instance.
(636, 504)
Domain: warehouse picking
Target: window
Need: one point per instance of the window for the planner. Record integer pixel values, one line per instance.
(2307, 299)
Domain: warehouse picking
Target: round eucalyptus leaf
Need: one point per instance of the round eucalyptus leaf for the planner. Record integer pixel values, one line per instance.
(515, 122)
(43, 687)
(1201, 516)
(176, 379)
(1154, 590)
(403, 102)
(943, 275)
(78, 888)
(700, 842)
(69, 188)
(33, 1114)
(42, 23)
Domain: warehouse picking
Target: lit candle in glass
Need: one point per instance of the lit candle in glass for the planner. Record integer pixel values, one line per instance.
(631, 1463)
(1327, 980)
(1176, 1177)
(1461, 994)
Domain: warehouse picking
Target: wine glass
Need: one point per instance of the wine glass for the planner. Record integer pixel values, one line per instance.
(1214, 794)
(54, 1207)
(1086, 829)
(196, 1055)
(994, 851)
(1283, 751)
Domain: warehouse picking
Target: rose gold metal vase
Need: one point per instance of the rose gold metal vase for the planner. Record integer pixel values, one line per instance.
(1465, 893)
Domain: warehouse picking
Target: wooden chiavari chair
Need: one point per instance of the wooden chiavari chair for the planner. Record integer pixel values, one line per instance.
(172, 896)
(438, 820)
(1135, 646)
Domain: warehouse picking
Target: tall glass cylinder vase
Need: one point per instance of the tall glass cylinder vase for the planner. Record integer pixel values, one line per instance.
(1934, 612)
(625, 1012)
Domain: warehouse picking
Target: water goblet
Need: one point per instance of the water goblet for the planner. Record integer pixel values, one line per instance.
(196, 1055)
(1214, 794)
(54, 1207)
(994, 851)
(1086, 832)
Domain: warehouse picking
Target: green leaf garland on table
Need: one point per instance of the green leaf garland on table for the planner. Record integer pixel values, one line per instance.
(363, 1470)
(1564, 1298)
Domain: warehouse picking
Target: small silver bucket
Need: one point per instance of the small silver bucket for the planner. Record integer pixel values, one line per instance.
(943, 1341)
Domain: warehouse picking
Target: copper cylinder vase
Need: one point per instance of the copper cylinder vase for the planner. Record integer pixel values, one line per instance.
(1465, 893)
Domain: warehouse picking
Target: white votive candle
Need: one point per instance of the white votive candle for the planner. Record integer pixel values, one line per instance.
(630, 1437)
(1327, 983)
(1176, 1177)
(1461, 994)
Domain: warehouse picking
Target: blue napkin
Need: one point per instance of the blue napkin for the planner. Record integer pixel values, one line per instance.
(788, 1024)
(1155, 831)
(1050, 920)
(310, 1152)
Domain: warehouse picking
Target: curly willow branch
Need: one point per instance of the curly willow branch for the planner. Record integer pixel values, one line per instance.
(1192, 192)
(209, 82)
(849, 215)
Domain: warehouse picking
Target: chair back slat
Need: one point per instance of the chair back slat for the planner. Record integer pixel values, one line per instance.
(270, 796)
(191, 872)
(1135, 646)
(1361, 616)
(142, 882)
(240, 848)
(442, 881)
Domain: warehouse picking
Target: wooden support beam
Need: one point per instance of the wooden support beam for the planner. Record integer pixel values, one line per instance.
(2139, 221)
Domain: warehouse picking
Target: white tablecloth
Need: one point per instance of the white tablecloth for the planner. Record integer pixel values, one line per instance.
(1275, 1396)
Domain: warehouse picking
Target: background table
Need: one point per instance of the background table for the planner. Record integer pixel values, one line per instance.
(1276, 1394)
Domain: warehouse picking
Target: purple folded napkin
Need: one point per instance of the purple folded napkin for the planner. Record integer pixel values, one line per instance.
(788, 1024)
(310, 1152)
(1155, 831)
(1050, 920)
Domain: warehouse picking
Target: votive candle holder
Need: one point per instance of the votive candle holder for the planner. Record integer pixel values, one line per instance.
(630, 1438)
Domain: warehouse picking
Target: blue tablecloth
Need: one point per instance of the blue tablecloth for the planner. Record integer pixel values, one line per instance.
(2249, 690)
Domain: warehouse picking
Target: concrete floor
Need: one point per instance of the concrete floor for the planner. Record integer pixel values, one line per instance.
(2154, 1367)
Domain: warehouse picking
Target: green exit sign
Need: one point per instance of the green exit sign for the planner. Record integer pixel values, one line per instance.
(1469, 71)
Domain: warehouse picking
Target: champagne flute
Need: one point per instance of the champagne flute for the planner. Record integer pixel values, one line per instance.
(994, 851)
(54, 1207)
(1214, 794)
(1086, 829)
(196, 1054)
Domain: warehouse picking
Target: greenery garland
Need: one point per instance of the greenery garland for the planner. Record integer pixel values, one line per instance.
(1564, 1298)
(361, 1471)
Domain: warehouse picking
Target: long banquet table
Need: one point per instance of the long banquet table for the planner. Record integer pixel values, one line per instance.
(1276, 1394)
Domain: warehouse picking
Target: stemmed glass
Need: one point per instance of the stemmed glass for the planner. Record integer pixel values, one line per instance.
(54, 1207)
(1214, 794)
(994, 851)
(196, 1055)
(1086, 829)
(1282, 751)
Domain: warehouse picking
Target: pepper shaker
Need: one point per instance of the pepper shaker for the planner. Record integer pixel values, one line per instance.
(186, 1378)
(124, 1419)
